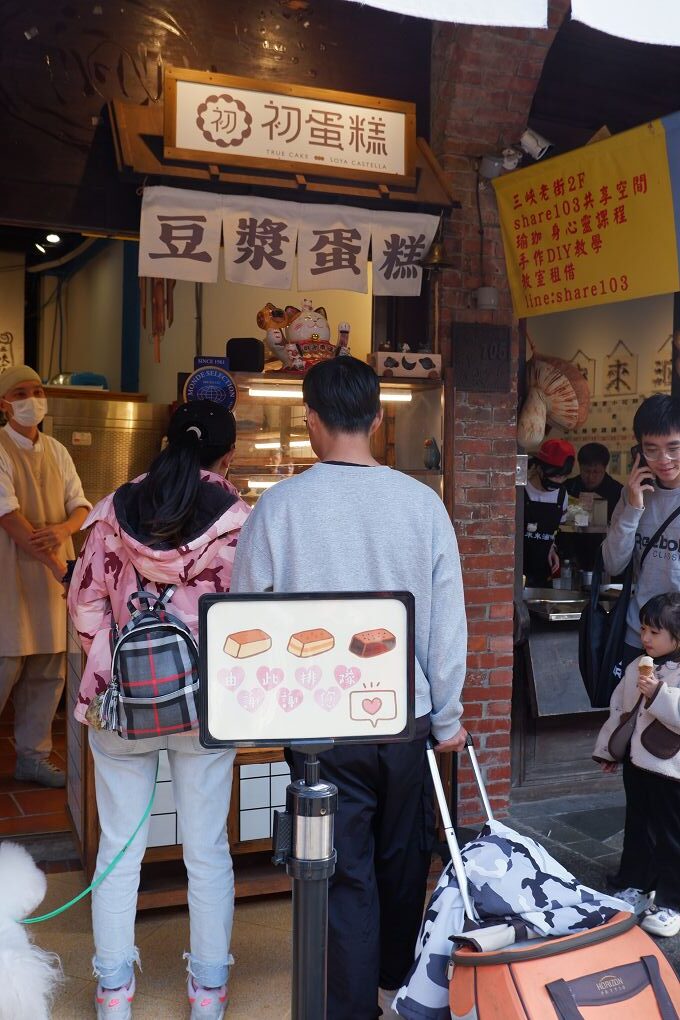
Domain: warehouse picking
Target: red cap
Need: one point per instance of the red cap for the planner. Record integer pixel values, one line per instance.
(556, 452)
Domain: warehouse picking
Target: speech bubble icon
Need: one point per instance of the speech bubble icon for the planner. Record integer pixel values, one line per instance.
(373, 706)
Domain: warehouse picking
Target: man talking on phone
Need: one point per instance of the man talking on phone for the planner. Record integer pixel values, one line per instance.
(649, 507)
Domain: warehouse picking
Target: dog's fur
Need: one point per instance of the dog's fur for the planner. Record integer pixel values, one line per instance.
(29, 976)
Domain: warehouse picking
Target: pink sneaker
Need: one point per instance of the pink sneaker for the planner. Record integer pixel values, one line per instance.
(206, 1003)
(115, 1003)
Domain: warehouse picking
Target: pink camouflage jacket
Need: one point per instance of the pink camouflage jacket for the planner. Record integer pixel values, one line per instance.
(104, 576)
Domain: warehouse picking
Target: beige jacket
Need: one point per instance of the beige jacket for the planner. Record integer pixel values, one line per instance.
(663, 709)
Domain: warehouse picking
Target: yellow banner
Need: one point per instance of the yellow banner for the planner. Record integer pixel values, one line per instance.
(593, 226)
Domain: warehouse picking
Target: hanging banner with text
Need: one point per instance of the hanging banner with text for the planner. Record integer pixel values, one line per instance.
(398, 249)
(259, 241)
(597, 225)
(333, 246)
(180, 232)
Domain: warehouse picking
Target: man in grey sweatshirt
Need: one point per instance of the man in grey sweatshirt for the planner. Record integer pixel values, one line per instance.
(651, 494)
(351, 524)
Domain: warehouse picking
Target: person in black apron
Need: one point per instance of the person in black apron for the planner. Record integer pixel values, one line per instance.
(545, 501)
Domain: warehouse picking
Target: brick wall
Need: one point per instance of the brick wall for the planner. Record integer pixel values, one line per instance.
(483, 82)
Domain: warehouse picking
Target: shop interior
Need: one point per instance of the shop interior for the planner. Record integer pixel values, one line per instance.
(625, 352)
(74, 319)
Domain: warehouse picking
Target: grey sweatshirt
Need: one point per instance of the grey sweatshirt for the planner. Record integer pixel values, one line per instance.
(629, 532)
(350, 528)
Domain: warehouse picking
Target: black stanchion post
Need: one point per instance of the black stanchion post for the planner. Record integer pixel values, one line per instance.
(303, 840)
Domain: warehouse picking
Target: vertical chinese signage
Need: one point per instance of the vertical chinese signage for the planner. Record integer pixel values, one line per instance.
(216, 118)
(596, 225)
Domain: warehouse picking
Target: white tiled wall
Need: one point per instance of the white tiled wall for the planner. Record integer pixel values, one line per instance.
(262, 788)
(164, 828)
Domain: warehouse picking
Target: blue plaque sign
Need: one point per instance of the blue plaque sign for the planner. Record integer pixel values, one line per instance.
(211, 383)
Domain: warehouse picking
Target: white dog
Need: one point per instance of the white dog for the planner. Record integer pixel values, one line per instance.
(29, 976)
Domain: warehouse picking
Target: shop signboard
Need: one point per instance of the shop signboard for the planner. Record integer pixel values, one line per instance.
(219, 118)
(596, 225)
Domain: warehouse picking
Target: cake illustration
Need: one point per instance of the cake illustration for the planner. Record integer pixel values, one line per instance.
(311, 642)
(245, 643)
(368, 643)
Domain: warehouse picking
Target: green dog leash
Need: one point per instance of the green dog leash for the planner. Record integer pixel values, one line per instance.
(104, 874)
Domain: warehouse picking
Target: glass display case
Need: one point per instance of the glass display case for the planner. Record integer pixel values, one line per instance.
(272, 441)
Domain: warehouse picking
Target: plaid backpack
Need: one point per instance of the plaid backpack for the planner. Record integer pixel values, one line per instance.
(154, 671)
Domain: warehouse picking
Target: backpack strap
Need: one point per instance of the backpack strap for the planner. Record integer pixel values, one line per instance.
(142, 596)
(663, 999)
(165, 596)
(657, 535)
(563, 1000)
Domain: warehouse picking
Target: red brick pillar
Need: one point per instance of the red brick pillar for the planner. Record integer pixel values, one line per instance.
(483, 83)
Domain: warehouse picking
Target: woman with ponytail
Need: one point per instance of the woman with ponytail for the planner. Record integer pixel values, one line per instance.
(177, 525)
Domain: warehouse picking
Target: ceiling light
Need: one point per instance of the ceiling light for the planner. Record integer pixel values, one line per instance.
(53, 238)
(261, 485)
(390, 397)
(275, 445)
(40, 248)
(274, 392)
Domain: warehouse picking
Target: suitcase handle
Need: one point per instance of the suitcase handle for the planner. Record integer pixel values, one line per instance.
(449, 831)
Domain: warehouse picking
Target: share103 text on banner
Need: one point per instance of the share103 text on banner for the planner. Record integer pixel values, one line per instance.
(597, 225)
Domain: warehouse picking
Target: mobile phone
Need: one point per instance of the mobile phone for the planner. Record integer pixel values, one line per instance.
(637, 451)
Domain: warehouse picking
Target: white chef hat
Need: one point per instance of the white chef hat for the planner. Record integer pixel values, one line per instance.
(11, 377)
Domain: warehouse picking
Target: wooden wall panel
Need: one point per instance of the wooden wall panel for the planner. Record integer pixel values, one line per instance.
(61, 62)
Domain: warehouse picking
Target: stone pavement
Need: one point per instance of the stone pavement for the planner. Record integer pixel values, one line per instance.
(584, 832)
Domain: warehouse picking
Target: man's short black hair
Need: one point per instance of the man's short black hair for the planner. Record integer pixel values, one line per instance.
(657, 416)
(593, 453)
(344, 392)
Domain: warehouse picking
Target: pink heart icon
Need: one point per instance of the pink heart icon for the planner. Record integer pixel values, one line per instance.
(289, 700)
(328, 698)
(231, 678)
(308, 677)
(250, 700)
(347, 676)
(371, 705)
(269, 678)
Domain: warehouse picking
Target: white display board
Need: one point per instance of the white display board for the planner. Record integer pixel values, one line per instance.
(281, 668)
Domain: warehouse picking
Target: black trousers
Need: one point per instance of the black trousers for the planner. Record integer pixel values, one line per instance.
(651, 841)
(384, 833)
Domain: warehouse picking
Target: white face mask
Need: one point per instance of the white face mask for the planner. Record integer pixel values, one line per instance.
(29, 412)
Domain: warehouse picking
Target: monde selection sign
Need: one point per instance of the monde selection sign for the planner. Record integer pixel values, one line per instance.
(218, 118)
(596, 225)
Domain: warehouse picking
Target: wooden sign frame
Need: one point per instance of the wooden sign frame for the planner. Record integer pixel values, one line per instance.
(211, 157)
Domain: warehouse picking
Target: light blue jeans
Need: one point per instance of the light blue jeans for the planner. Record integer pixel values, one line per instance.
(124, 775)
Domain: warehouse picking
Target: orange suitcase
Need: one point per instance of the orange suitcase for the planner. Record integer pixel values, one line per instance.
(612, 972)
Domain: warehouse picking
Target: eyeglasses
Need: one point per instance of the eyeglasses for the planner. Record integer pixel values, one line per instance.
(305, 419)
(654, 456)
